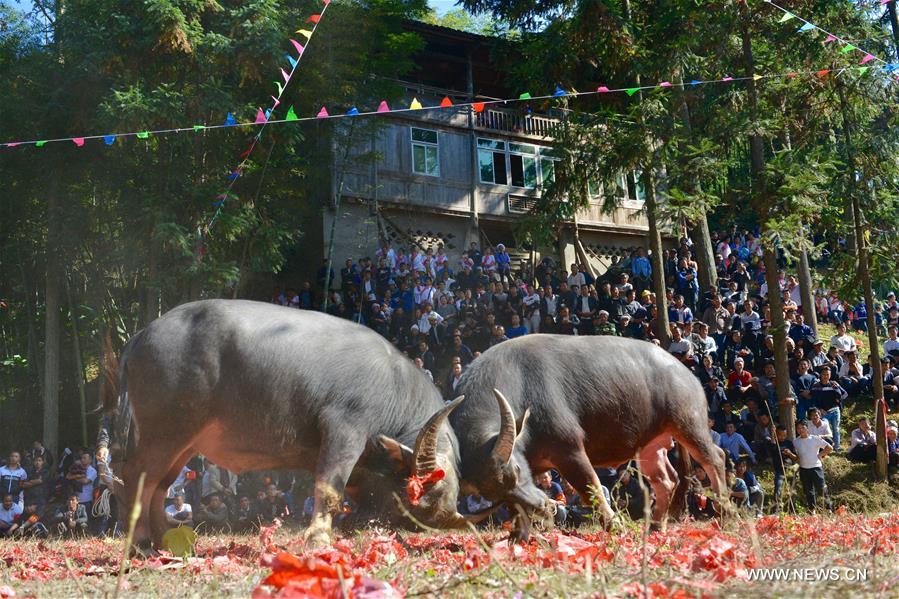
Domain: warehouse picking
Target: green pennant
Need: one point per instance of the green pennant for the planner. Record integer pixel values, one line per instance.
(40, 144)
(143, 135)
(525, 96)
(199, 127)
(786, 17)
(847, 48)
(632, 91)
(291, 115)
(280, 89)
(863, 70)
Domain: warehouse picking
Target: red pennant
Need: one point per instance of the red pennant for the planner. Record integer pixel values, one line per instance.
(446, 102)
(246, 152)
(314, 19)
(326, 2)
(823, 72)
(478, 106)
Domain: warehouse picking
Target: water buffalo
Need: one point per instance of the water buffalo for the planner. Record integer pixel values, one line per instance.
(587, 401)
(257, 386)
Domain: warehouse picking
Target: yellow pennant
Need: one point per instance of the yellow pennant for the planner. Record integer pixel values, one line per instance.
(305, 32)
(415, 105)
(756, 77)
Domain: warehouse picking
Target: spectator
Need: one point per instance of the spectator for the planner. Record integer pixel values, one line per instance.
(37, 450)
(851, 375)
(755, 495)
(699, 503)
(246, 518)
(71, 519)
(863, 443)
(10, 511)
(214, 516)
(554, 491)
(272, 505)
(828, 397)
(31, 523)
(714, 395)
(734, 443)
(843, 341)
(81, 477)
(739, 492)
(179, 513)
(810, 451)
(12, 475)
(739, 382)
(780, 464)
(37, 484)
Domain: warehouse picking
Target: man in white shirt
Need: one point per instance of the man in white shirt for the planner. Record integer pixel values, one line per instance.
(179, 513)
(12, 476)
(863, 443)
(842, 341)
(891, 344)
(818, 427)
(86, 494)
(428, 319)
(576, 277)
(811, 450)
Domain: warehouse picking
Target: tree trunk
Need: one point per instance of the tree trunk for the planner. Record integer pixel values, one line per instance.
(762, 199)
(894, 25)
(806, 292)
(79, 363)
(861, 256)
(663, 332)
(51, 322)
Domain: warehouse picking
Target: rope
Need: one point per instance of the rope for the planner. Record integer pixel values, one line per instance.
(101, 507)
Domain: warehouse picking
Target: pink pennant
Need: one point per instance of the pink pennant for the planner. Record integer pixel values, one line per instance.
(602, 89)
(323, 113)
(13, 144)
(830, 38)
(277, 101)
(728, 79)
(882, 2)
(665, 84)
(79, 141)
(326, 2)
(298, 46)
(286, 76)
(867, 58)
(260, 117)
(383, 107)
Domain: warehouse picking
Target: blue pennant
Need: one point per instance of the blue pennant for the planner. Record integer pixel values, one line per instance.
(109, 139)
(559, 92)
(352, 111)
(229, 120)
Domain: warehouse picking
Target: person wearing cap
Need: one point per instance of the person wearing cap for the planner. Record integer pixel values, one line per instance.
(624, 326)
(817, 356)
(428, 319)
(602, 326)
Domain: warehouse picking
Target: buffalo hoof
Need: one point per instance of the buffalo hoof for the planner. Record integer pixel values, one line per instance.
(521, 530)
(316, 538)
(143, 549)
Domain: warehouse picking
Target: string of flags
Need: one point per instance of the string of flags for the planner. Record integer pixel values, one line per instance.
(846, 46)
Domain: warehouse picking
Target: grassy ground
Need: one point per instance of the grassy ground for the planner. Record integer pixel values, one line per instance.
(685, 561)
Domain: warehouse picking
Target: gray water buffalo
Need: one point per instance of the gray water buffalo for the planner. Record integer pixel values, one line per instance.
(257, 386)
(587, 401)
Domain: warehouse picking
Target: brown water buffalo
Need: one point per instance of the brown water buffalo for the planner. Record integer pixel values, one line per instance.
(256, 386)
(587, 401)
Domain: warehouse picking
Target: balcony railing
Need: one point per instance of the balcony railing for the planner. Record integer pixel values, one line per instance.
(513, 122)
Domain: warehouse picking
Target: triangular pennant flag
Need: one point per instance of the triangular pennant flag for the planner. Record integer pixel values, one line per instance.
(323, 113)
(631, 91)
(276, 100)
(79, 141)
(665, 84)
(286, 76)
(268, 113)
(882, 2)
(756, 77)
(525, 96)
(890, 67)
(305, 33)
(847, 48)
(280, 88)
(559, 92)
(830, 38)
(229, 120)
(314, 19)
(383, 107)
(291, 115)
(866, 59)
(199, 127)
(326, 2)
(806, 27)
(786, 17)
(863, 70)
(260, 117)
(791, 75)
(13, 144)
(728, 79)
(234, 175)
(822, 72)
(291, 60)
(478, 106)
(352, 111)
(143, 135)
(297, 45)
(246, 152)
(446, 102)
(109, 139)
(415, 105)
(695, 82)
(39, 144)
(602, 89)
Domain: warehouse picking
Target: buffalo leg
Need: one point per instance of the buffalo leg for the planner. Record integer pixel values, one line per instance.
(336, 460)
(158, 524)
(710, 457)
(577, 469)
(662, 478)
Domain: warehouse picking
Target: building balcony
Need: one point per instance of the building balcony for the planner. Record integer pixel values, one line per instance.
(514, 122)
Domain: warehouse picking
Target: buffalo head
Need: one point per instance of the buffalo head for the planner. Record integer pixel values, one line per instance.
(501, 473)
(431, 480)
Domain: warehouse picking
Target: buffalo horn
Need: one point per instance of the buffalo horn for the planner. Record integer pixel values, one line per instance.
(505, 442)
(426, 443)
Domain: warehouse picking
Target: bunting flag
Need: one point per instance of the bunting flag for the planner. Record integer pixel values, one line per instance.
(40, 144)
(847, 48)
(866, 59)
(830, 38)
(285, 75)
(665, 84)
(525, 96)
(602, 89)
(109, 139)
(787, 17)
(79, 141)
(806, 27)
(756, 77)
(352, 111)
(695, 82)
(260, 117)
(305, 33)
(823, 72)
(298, 46)
(415, 105)
(291, 115)
(383, 107)
(143, 135)
(446, 102)
(275, 105)
(323, 113)
(478, 106)
(198, 127)
(314, 19)
(291, 60)
(229, 120)
(559, 92)
(280, 88)
(631, 90)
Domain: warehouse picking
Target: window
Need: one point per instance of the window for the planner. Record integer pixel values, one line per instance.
(547, 166)
(425, 148)
(492, 161)
(523, 165)
(628, 187)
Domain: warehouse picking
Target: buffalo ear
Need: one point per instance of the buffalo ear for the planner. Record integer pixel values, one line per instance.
(401, 456)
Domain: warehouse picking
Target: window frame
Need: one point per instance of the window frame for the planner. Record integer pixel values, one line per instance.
(425, 145)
